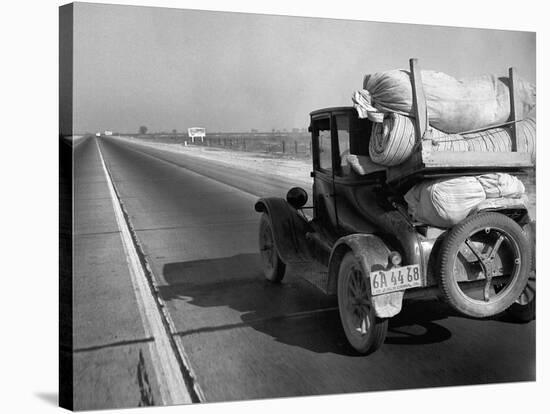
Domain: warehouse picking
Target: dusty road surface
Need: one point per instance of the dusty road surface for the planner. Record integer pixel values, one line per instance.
(242, 337)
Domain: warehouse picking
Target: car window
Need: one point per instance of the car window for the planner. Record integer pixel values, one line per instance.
(325, 151)
(321, 128)
(342, 127)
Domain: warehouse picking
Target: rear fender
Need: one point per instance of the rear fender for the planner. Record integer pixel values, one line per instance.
(373, 254)
(289, 229)
(514, 208)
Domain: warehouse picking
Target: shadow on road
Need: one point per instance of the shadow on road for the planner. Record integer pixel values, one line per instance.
(294, 312)
(48, 397)
(415, 324)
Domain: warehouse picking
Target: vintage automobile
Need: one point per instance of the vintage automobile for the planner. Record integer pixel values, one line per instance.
(370, 252)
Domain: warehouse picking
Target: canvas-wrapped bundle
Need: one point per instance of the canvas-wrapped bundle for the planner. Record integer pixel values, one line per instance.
(454, 106)
(393, 140)
(446, 202)
(501, 185)
(500, 139)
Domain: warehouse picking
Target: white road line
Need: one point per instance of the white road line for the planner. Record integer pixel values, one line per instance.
(173, 388)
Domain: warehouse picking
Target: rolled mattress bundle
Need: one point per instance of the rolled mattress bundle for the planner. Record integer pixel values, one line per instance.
(392, 140)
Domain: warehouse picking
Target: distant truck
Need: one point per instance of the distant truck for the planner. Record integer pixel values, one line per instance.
(196, 132)
(108, 133)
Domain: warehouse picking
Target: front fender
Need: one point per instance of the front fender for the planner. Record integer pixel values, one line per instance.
(289, 229)
(372, 253)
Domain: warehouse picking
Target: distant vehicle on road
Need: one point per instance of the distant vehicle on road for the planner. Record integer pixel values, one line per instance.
(98, 134)
(108, 133)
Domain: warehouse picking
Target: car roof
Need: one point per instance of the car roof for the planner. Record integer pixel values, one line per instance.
(331, 110)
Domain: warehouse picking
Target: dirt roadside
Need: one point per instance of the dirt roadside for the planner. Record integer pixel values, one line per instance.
(296, 170)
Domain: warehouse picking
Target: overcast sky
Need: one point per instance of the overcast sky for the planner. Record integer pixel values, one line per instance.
(173, 69)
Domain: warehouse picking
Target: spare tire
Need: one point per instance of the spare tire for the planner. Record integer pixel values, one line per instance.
(484, 264)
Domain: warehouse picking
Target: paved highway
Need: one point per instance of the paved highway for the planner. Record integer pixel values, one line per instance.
(244, 338)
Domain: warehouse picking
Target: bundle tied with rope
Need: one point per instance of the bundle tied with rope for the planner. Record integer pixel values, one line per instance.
(464, 115)
(446, 202)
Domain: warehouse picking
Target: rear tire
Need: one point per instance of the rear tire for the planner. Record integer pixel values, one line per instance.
(274, 268)
(467, 250)
(524, 312)
(364, 331)
(525, 308)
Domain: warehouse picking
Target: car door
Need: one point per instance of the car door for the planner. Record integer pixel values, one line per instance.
(350, 136)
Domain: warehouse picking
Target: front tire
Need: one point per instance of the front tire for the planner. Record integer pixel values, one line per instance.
(364, 331)
(274, 268)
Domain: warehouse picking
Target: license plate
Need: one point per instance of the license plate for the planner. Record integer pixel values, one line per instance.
(393, 280)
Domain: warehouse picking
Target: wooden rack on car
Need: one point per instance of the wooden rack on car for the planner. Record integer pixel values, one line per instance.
(425, 162)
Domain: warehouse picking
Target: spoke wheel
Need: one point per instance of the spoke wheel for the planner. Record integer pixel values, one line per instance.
(485, 262)
(364, 331)
(272, 265)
